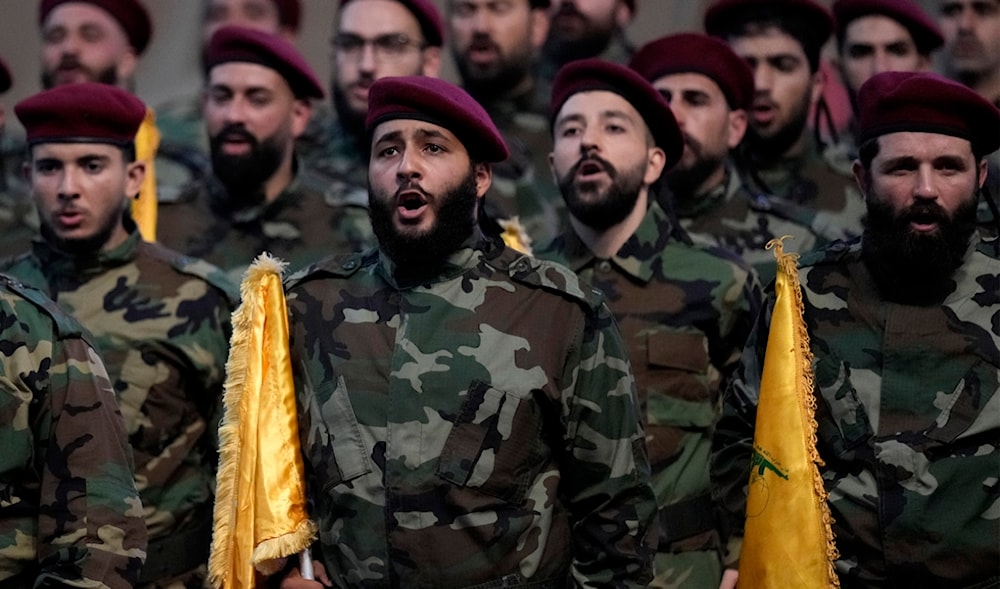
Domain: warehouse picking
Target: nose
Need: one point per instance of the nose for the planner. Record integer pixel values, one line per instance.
(966, 18)
(762, 79)
(236, 110)
(881, 63)
(408, 168)
(366, 61)
(925, 188)
(67, 185)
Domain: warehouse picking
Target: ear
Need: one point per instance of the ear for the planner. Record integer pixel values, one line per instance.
(983, 169)
(431, 62)
(736, 128)
(861, 178)
(135, 173)
(623, 14)
(125, 68)
(818, 84)
(301, 113)
(924, 63)
(656, 159)
(552, 167)
(287, 33)
(539, 27)
(484, 179)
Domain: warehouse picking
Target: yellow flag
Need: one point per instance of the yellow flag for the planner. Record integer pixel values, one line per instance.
(147, 141)
(788, 542)
(260, 505)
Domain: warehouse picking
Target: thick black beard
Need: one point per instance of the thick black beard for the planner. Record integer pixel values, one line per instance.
(489, 83)
(617, 202)
(771, 148)
(244, 175)
(593, 40)
(421, 255)
(107, 76)
(911, 268)
(684, 182)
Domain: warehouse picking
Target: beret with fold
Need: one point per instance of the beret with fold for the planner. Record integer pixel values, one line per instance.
(926, 33)
(239, 44)
(586, 75)
(701, 54)
(87, 112)
(5, 79)
(441, 103)
(892, 102)
(289, 13)
(722, 15)
(431, 23)
(130, 14)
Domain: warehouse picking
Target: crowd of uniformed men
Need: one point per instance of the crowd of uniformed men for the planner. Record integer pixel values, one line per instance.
(528, 310)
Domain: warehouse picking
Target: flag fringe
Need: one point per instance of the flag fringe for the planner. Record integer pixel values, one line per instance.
(269, 555)
(788, 263)
(230, 447)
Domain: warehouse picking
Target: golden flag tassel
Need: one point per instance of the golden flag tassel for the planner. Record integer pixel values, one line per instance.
(260, 505)
(788, 541)
(147, 141)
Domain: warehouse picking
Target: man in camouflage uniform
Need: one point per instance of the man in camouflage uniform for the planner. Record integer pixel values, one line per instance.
(496, 46)
(18, 222)
(372, 39)
(709, 89)
(468, 413)
(583, 29)
(258, 100)
(781, 40)
(180, 120)
(903, 330)
(159, 320)
(70, 513)
(684, 310)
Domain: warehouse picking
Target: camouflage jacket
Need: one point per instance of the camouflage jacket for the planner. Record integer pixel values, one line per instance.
(741, 221)
(685, 312)
(819, 187)
(69, 510)
(908, 423)
(18, 216)
(300, 226)
(162, 324)
(480, 427)
(337, 161)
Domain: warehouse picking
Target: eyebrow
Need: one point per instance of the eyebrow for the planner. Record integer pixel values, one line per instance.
(421, 133)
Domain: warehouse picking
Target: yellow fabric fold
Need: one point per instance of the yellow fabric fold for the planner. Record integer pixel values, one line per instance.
(147, 141)
(788, 540)
(260, 505)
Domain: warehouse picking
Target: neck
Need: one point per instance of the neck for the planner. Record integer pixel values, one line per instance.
(280, 180)
(607, 242)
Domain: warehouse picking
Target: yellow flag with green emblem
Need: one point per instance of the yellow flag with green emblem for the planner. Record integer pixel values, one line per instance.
(260, 504)
(144, 207)
(788, 542)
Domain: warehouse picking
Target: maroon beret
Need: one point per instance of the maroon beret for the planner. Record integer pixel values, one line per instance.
(723, 15)
(5, 79)
(926, 34)
(701, 54)
(289, 13)
(431, 24)
(439, 102)
(89, 112)
(591, 74)
(233, 43)
(130, 14)
(892, 102)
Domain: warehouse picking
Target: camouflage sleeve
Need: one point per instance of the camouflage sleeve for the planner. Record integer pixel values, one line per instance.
(732, 441)
(85, 516)
(606, 473)
(743, 301)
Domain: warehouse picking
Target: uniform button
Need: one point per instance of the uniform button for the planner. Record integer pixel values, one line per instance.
(350, 265)
(522, 266)
(604, 266)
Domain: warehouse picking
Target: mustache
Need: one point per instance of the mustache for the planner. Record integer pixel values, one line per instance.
(567, 9)
(69, 62)
(482, 41)
(236, 131)
(411, 186)
(924, 211)
(604, 164)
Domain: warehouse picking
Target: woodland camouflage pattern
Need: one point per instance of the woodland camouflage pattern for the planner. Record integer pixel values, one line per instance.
(478, 429)
(300, 226)
(908, 423)
(733, 218)
(69, 510)
(685, 312)
(162, 324)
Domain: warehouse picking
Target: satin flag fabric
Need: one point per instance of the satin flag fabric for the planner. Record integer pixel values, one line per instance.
(147, 141)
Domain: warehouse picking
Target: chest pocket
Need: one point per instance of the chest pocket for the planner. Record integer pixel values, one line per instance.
(334, 445)
(842, 422)
(683, 382)
(971, 409)
(495, 445)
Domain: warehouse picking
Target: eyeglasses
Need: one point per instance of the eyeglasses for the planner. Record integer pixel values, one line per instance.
(389, 47)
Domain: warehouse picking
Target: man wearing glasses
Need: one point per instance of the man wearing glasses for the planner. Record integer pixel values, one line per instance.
(372, 39)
